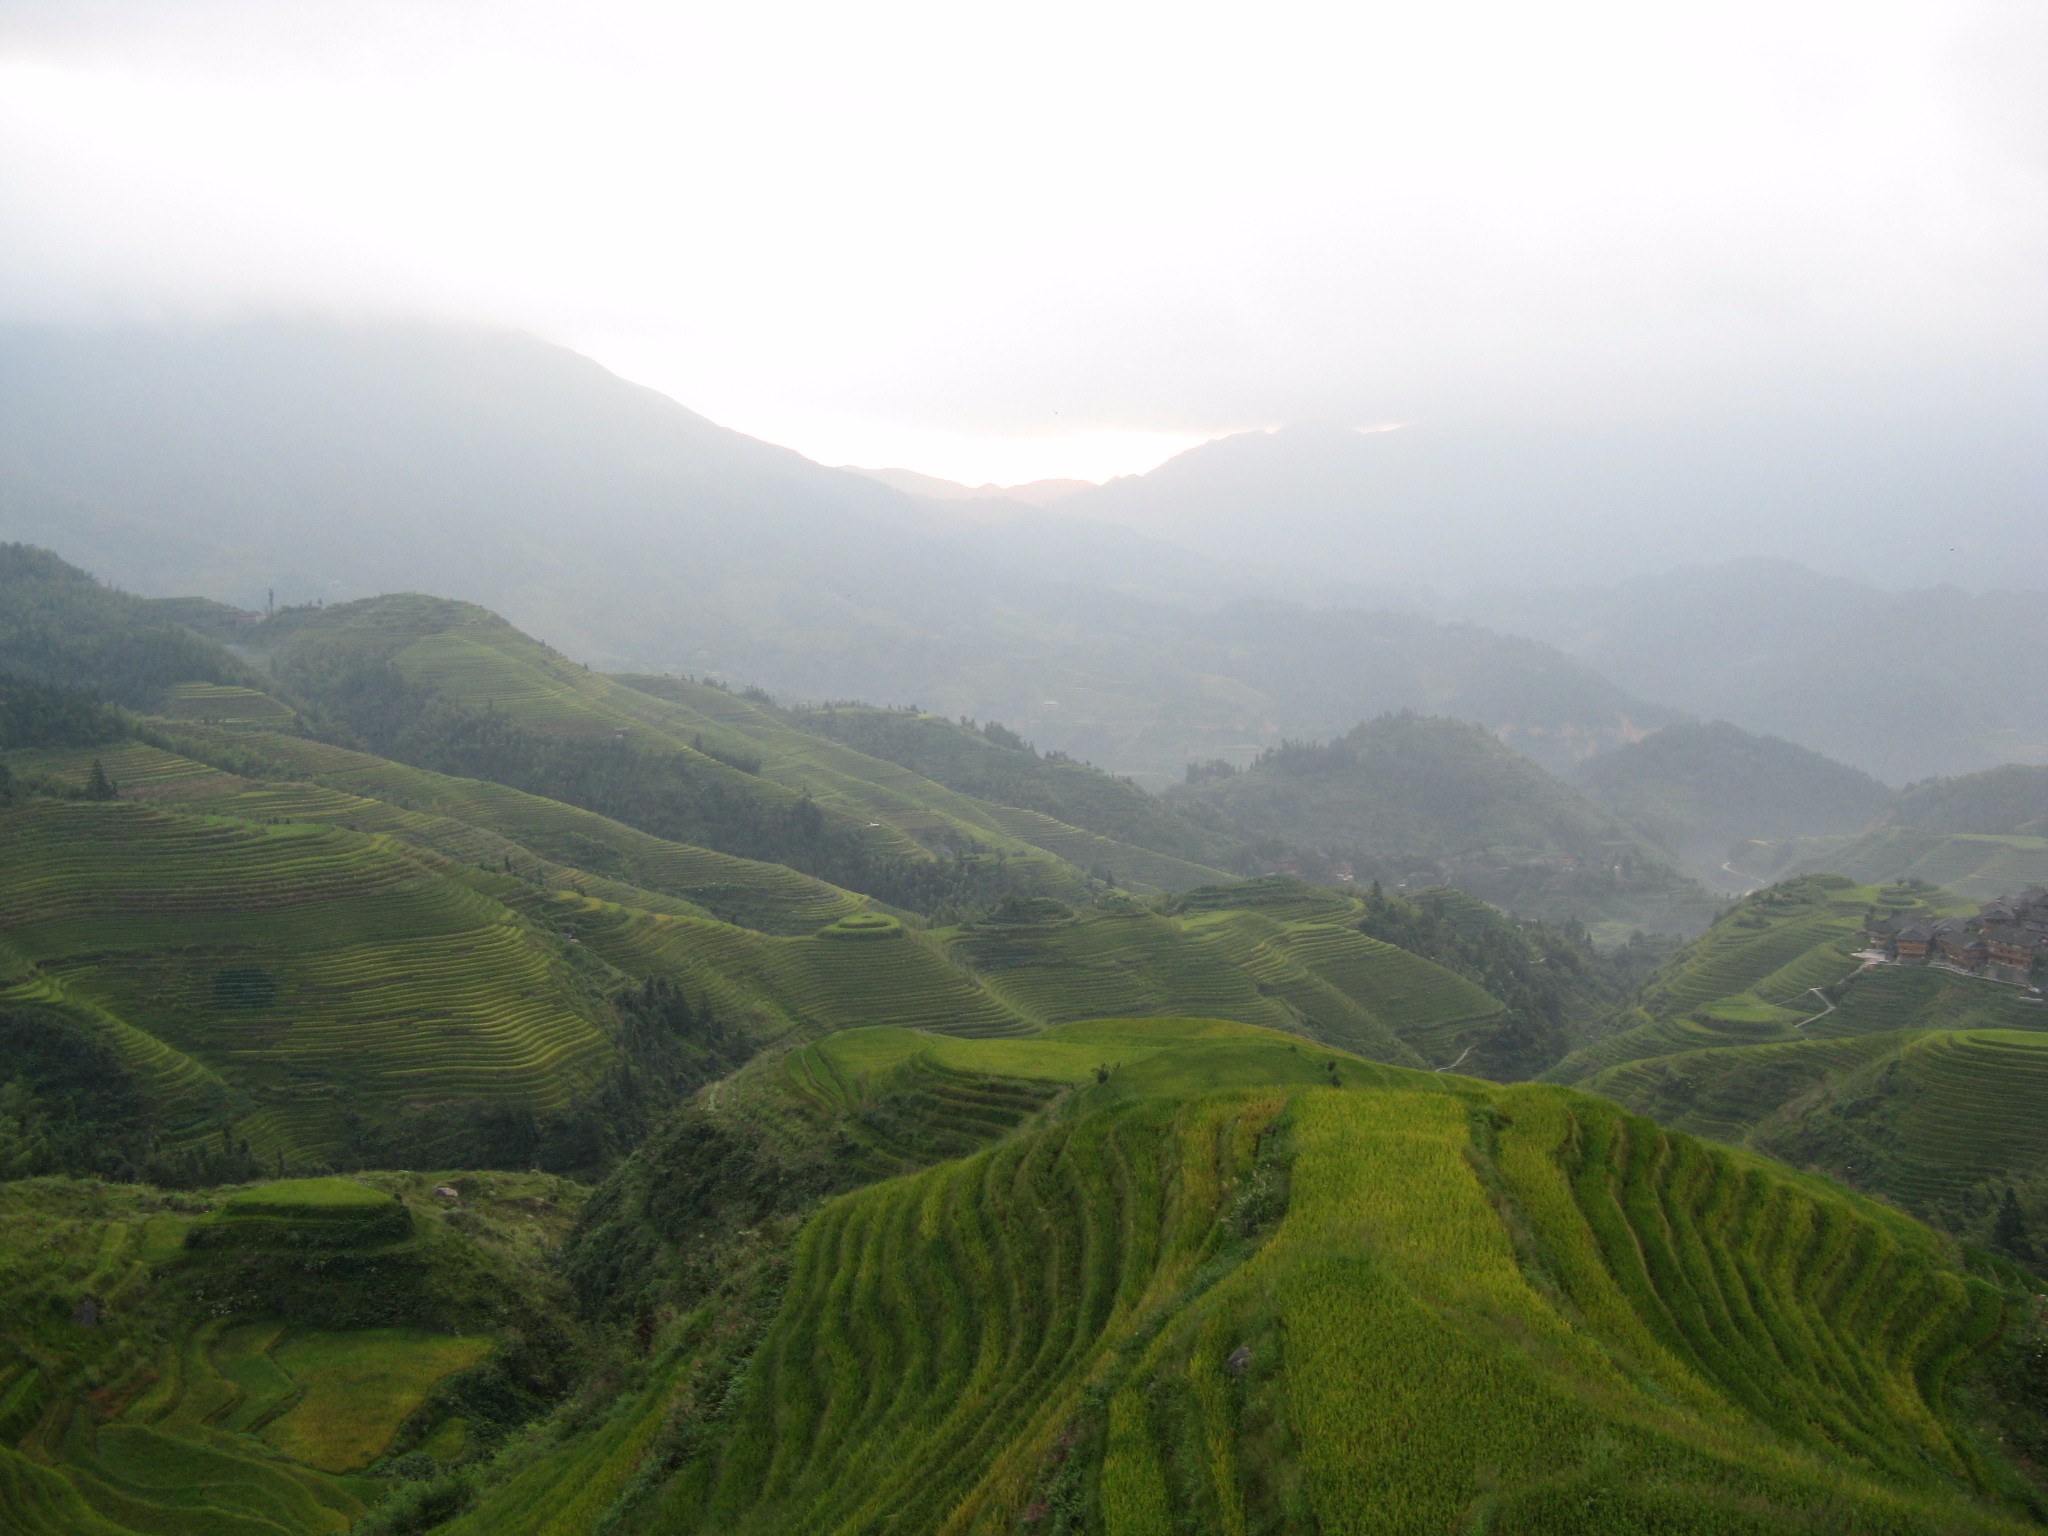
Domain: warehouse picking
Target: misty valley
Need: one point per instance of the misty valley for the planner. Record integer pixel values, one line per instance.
(1225, 1062)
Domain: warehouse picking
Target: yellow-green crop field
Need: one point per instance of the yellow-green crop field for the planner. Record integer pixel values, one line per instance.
(1220, 1292)
(152, 1382)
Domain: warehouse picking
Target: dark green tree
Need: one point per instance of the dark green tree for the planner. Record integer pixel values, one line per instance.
(2009, 1232)
(6, 784)
(97, 785)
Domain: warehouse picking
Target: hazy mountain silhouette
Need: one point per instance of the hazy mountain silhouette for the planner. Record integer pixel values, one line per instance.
(332, 461)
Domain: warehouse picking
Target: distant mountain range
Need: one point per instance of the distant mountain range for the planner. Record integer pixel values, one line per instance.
(1034, 493)
(331, 462)
(1142, 625)
(1906, 685)
(1452, 505)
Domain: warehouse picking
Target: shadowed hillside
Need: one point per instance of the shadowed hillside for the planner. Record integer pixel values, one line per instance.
(1699, 790)
(1410, 799)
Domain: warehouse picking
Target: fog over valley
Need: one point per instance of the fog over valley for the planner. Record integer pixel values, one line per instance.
(787, 770)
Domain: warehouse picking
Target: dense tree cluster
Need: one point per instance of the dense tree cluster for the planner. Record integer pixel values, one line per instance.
(39, 714)
(58, 625)
(1553, 981)
(67, 1105)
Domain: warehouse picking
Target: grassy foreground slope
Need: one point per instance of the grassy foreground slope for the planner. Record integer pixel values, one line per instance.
(1228, 1282)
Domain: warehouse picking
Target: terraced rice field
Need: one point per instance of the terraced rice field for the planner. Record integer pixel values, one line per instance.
(1123, 960)
(1286, 1307)
(309, 969)
(1754, 979)
(177, 1419)
(1976, 866)
(139, 771)
(1727, 1094)
(1916, 997)
(231, 708)
(809, 985)
(477, 660)
(570, 847)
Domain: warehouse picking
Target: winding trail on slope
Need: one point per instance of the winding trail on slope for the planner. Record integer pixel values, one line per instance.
(1823, 996)
(1459, 1062)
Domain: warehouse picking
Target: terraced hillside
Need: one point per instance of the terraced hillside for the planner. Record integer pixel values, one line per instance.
(394, 939)
(1910, 1082)
(710, 766)
(233, 1362)
(1980, 866)
(470, 820)
(279, 979)
(1231, 1283)
(1940, 1120)
(1758, 976)
(1274, 953)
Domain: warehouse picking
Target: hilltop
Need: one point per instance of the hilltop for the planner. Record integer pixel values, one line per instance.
(1157, 1309)
(2007, 801)
(1981, 835)
(1901, 684)
(1412, 799)
(1701, 790)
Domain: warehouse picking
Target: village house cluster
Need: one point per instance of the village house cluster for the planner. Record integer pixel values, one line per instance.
(2006, 940)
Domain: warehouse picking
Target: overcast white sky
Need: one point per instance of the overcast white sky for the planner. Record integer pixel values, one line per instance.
(1012, 241)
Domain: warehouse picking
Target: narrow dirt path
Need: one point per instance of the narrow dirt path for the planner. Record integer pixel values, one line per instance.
(1822, 995)
(1460, 1061)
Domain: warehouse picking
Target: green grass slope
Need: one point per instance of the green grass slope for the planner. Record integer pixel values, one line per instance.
(1232, 1284)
